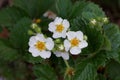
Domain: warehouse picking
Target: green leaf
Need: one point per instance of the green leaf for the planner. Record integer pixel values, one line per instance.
(19, 34)
(113, 33)
(77, 8)
(78, 23)
(15, 70)
(113, 70)
(63, 8)
(35, 8)
(101, 77)
(6, 71)
(107, 44)
(9, 15)
(85, 71)
(1, 28)
(95, 40)
(7, 53)
(87, 9)
(34, 60)
(113, 55)
(93, 8)
(98, 59)
(44, 72)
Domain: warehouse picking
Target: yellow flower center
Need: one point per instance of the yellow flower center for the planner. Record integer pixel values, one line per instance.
(59, 28)
(40, 45)
(74, 42)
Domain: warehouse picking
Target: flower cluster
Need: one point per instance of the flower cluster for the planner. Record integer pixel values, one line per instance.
(63, 42)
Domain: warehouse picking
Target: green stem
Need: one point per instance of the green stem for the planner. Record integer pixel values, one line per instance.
(66, 63)
(69, 77)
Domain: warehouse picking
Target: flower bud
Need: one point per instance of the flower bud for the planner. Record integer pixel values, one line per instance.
(105, 19)
(85, 37)
(30, 32)
(34, 25)
(38, 29)
(58, 41)
(61, 47)
(93, 22)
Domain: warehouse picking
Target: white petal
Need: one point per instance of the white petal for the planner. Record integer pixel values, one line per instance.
(56, 35)
(34, 51)
(58, 20)
(32, 41)
(67, 45)
(57, 53)
(83, 44)
(40, 37)
(71, 35)
(63, 34)
(45, 54)
(52, 27)
(35, 54)
(65, 55)
(59, 35)
(49, 44)
(66, 23)
(79, 35)
(75, 50)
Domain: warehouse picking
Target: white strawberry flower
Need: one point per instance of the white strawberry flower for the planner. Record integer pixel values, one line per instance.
(40, 46)
(62, 53)
(59, 27)
(75, 42)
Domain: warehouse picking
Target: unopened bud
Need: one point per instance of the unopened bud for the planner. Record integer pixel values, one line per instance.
(34, 25)
(58, 41)
(61, 47)
(30, 32)
(105, 20)
(93, 22)
(85, 37)
(38, 29)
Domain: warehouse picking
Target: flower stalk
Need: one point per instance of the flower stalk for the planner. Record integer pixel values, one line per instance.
(69, 71)
(67, 64)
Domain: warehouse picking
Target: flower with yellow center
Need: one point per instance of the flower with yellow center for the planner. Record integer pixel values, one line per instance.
(40, 46)
(59, 27)
(75, 42)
